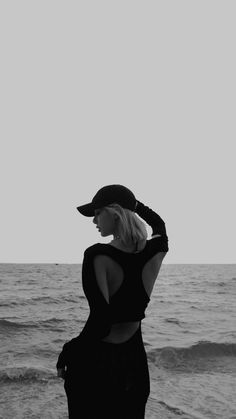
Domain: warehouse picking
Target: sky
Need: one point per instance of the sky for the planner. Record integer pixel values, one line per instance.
(140, 93)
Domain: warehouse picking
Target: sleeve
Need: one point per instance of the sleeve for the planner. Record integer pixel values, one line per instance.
(152, 218)
(98, 324)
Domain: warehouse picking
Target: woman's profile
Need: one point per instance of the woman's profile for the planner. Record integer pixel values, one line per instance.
(105, 367)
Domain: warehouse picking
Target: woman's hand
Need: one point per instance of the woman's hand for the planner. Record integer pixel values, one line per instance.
(61, 373)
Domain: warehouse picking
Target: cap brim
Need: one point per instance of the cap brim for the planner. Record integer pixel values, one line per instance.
(87, 210)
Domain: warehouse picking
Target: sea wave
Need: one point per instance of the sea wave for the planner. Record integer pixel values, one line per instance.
(26, 373)
(204, 349)
(174, 321)
(181, 411)
(8, 325)
(201, 354)
(47, 299)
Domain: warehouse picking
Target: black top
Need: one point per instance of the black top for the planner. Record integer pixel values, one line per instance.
(130, 300)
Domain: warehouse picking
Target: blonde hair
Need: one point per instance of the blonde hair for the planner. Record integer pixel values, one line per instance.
(129, 227)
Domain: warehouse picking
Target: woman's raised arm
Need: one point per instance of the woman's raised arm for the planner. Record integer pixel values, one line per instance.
(152, 219)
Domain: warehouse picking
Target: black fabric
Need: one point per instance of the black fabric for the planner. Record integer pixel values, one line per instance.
(154, 220)
(130, 301)
(104, 379)
(110, 381)
(108, 195)
(119, 308)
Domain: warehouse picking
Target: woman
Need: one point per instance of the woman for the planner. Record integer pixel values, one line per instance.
(105, 368)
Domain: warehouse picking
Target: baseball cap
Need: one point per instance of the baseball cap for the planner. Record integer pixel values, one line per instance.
(108, 195)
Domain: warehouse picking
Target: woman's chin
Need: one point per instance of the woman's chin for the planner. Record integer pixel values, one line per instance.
(103, 234)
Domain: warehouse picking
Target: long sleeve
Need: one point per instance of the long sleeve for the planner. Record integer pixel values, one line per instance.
(98, 324)
(152, 218)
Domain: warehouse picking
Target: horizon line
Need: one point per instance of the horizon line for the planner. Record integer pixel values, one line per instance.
(80, 263)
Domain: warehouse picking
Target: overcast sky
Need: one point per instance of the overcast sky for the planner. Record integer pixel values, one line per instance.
(140, 93)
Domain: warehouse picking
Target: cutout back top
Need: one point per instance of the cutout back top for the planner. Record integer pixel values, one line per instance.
(130, 300)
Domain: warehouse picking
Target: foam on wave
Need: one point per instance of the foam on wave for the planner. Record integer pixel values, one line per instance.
(25, 373)
(196, 355)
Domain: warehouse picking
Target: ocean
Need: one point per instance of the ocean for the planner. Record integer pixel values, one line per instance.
(189, 334)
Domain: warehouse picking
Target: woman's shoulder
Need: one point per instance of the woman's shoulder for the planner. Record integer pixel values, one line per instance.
(159, 243)
(92, 249)
(154, 241)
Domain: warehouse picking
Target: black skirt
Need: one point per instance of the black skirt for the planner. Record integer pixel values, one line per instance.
(109, 381)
